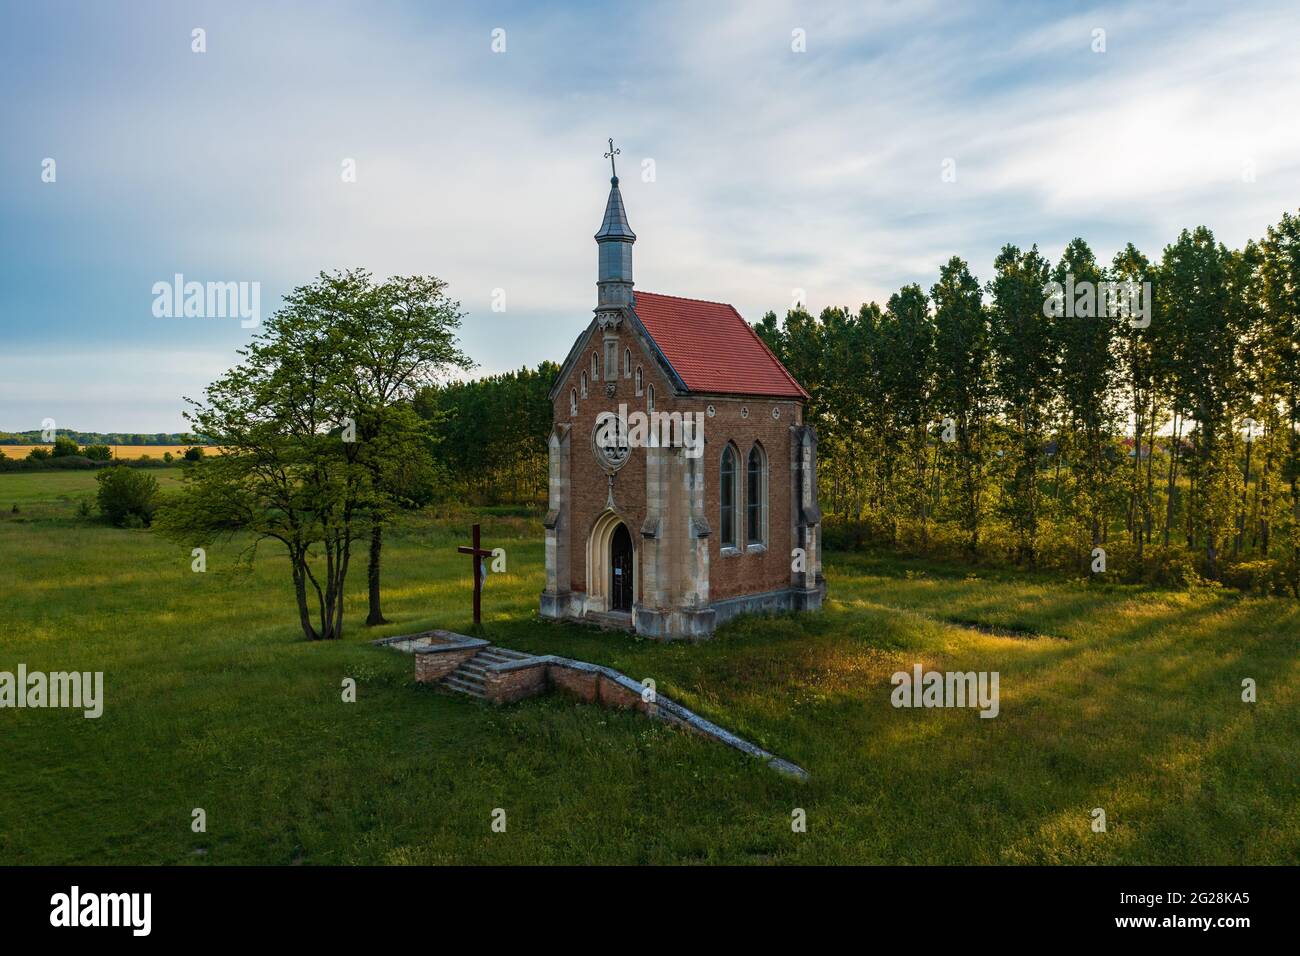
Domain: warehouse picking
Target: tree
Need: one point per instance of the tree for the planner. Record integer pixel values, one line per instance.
(1024, 369)
(1202, 343)
(962, 390)
(1280, 271)
(1085, 334)
(64, 447)
(1138, 372)
(126, 495)
(287, 472)
(398, 336)
(903, 355)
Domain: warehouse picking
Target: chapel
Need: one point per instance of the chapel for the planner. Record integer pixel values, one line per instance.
(711, 511)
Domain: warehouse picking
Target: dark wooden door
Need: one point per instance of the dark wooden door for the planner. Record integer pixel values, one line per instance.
(620, 562)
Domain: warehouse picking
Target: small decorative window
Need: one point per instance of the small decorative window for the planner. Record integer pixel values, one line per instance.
(744, 411)
(727, 496)
(627, 363)
(650, 399)
(595, 367)
(712, 411)
(639, 378)
(776, 412)
(573, 402)
(584, 384)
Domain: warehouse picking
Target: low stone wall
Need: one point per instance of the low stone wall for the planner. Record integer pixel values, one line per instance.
(503, 684)
(596, 684)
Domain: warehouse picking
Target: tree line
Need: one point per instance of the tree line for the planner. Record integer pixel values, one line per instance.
(490, 435)
(1021, 417)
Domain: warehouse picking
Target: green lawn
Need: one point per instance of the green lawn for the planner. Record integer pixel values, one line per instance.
(1118, 697)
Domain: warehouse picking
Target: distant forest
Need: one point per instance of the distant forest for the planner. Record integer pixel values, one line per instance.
(33, 437)
(490, 435)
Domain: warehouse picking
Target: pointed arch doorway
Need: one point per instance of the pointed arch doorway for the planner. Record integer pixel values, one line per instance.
(611, 566)
(621, 570)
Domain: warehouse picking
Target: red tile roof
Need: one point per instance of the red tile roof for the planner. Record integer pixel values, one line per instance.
(712, 348)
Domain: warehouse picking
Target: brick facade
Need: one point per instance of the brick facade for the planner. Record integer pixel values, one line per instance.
(582, 490)
(685, 358)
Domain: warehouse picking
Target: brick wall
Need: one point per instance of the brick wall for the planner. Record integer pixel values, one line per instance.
(430, 667)
(745, 573)
(503, 687)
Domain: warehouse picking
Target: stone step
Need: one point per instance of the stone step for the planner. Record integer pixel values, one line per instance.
(507, 652)
(610, 620)
(462, 686)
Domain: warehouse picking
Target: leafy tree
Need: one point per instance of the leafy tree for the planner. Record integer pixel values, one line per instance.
(1085, 336)
(63, 447)
(1138, 372)
(286, 473)
(1195, 294)
(398, 336)
(903, 356)
(962, 390)
(1024, 380)
(1280, 273)
(126, 496)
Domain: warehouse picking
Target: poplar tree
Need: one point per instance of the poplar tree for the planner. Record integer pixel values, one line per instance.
(962, 389)
(1024, 370)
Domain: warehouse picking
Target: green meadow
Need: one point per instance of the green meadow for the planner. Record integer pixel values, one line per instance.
(1118, 697)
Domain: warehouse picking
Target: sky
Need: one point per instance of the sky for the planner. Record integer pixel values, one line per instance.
(825, 152)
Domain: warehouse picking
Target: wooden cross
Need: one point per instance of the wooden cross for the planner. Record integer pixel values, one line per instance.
(478, 554)
(610, 156)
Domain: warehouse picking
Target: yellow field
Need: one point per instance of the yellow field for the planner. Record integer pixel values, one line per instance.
(119, 451)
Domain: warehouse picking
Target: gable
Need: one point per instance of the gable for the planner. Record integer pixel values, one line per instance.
(590, 340)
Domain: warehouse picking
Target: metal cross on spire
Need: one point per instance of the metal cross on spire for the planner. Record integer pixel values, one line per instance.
(610, 156)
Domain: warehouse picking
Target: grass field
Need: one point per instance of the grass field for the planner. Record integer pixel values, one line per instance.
(119, 451)
(1115, 697)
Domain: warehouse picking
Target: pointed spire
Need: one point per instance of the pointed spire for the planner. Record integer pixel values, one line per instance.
(614, 226)
(614, 241)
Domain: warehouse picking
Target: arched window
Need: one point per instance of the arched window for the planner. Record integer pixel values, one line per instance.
(727, 496)
(595, 367)
(573, 402)
(650, 399)
(638, 379)
(627, 363)
(584, 384)
(755, 497)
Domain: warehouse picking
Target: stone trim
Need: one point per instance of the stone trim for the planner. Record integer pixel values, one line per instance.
(432, 642)
(612, 688)
(768, 602)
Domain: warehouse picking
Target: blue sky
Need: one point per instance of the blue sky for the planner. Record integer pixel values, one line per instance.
(774, 170)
